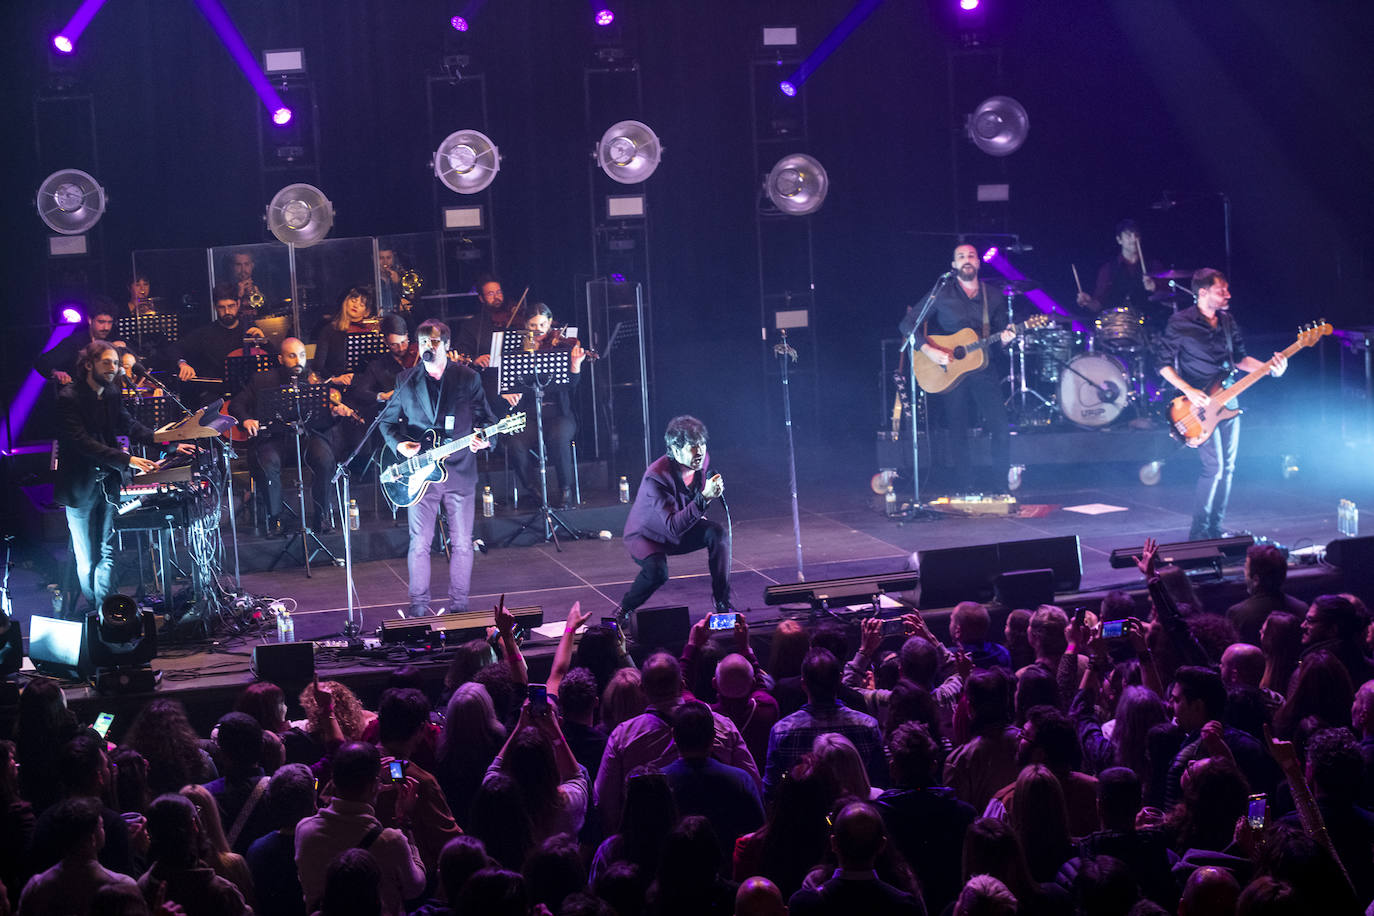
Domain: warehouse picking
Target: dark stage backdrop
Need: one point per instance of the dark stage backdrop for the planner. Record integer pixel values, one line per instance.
(1266, 101)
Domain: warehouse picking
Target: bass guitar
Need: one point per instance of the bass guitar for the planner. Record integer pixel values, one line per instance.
(1193, 425)
(404, 480)
(966, 354)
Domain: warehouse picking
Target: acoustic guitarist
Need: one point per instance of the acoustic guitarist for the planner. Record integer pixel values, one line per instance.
(441, 395)
(1201, 346)
(959, 305)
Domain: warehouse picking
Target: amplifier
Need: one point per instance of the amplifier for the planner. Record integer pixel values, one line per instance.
(454, 628)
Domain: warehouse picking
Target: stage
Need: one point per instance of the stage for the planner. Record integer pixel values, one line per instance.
(844, 532)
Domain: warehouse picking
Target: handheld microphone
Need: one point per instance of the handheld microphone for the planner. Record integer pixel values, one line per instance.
(947, 275)
(428, 356)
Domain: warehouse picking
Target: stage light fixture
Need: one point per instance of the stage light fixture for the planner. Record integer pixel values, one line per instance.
(998, 126)
(968, 6)
(459, 24)
(780, 36)
(300, 215)
(787, 88)
(990, 253)
(70, 201)
(283, 62)
(604, 17)
(463, 217)
(121, 643)
(63, 44)
(797, 185)
(467, 161)
(625, 206)
(617, 278)
(629, 152)
(282, 116)
(71, 314)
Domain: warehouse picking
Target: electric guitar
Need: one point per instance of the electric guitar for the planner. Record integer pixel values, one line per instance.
(404, 480)
(966, 354)
(1194, 425)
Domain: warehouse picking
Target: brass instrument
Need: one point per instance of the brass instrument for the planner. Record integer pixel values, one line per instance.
(411, 283)
(255, 298)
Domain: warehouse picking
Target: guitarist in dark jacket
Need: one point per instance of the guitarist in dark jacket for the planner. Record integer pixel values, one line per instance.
(959, 305)
(91, 465)
(1202, 346)
(445, 397)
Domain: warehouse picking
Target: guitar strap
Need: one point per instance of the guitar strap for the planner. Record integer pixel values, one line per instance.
(987, 328)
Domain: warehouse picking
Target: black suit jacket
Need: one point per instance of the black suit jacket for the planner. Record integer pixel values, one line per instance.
(664, 508)
(248, 403)
(89, 461)
(461, 408)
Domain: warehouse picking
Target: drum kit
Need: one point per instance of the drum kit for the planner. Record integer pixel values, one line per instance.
(1090, 378)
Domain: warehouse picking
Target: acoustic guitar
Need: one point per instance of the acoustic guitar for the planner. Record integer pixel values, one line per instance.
(1193, 425)
(966, 354)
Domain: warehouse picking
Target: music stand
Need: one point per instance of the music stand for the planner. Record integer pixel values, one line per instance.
(536, 369)
(161, 328)
(362, 347)
(239, 370)
(154, 413)
(296, 405)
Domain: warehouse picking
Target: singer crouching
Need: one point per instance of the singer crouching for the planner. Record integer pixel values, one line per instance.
(669, 517)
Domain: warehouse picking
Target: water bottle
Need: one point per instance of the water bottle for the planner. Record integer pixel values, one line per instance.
(890, 501)
(488, 503)
(624, 490)
(286, 627)
(1354, 520)
(1347, 518)
(354, 520)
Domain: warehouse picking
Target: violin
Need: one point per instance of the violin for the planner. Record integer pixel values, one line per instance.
(557, 339)
(335, 398)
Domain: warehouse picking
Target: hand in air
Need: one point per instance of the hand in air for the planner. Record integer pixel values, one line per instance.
(408, 449)
(870, 635)
(576, 618)
(1146, 561)
(1278, 365)
(185, 372)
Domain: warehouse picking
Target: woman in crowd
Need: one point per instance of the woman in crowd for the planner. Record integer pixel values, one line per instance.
(471, 737)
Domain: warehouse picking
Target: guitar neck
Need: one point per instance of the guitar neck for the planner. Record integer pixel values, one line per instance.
(441, 452)
(995, 337)
(1250, 378)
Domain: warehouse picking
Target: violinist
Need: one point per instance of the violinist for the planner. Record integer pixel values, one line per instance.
(203, 351)
(269, 441)
(355, 315)
(560, 425)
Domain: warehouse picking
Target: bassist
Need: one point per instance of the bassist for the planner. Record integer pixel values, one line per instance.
(964, 304)
(1200, 347)
(441, 395)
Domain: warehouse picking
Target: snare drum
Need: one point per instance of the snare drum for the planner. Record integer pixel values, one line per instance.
(1048, 349)
(1121, 328)
(1094, 390)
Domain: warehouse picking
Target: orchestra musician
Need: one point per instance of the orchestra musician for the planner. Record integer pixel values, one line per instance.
(140, 303)
(1124, 280)
(445, 396)
(353, 316)
(390, 295)
(59, 363)
(91, 466)
(269, 437)
(246, 288)
(958, 305)
(560, 426)
(1202, 345)
(376, 384)
(204, 349)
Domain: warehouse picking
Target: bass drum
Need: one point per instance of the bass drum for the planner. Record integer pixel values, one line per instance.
(1093, 390)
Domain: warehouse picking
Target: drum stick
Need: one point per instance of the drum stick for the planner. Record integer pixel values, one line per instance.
(1140, 253)
(1077, 282)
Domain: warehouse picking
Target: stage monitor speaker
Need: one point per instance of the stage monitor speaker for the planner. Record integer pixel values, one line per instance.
(58, 647)
(1351, 554)
(455, 628)
(1025, 588)
(841, 592)
(1189, 554)
(289, 665)
(953, 574)
(660, 627)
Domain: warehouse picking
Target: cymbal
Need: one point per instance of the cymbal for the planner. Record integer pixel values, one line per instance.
(1018, 286)
(1167, 293)
(1173, 275)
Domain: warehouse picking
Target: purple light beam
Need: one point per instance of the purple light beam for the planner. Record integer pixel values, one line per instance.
(238, 49)
(861, 11)
(1039, 298)
(24, 401)
(76, 25)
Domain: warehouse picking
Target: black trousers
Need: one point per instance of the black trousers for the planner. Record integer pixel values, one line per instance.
(978, 401)
(317, 454)
(559, 431)
(653, 569)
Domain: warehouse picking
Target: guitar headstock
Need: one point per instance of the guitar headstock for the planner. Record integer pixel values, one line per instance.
(1036, 321)
(1312, 332)
(512, 423)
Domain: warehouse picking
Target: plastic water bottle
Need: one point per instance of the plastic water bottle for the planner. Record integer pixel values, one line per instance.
(286, 627)
(890, 501)
(1347, 518)
(624, 490)
(488, 503)
(354, 520)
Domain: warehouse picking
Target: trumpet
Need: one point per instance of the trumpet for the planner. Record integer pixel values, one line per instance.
(255, 298)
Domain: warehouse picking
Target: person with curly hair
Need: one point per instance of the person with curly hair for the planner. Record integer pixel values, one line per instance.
(163, 735)
(347, 710)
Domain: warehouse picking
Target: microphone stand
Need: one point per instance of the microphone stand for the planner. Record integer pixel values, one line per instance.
(352, 626)
(908, 330)
(784, 352)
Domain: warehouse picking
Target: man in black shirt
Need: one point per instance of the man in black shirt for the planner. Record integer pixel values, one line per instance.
(1201, 346)
(59, 363)
(203, 350)
(1124, 280)
(964, 304)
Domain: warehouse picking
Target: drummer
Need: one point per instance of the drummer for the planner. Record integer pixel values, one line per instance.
(1123, 281)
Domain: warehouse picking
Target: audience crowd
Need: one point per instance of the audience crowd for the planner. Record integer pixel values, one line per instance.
(1153, 758)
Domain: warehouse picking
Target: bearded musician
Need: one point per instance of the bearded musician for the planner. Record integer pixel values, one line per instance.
(269, 438)
(560, 425)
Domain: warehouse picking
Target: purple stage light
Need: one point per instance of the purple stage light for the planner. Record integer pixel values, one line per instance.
(459, 24)
(233, 42)
(604, 17)
(63, 44)
(282, 116)
(65, 40)
(990, 253)
(71, 315)
(27, 397)
(617, 278)
(968, 5)
(787, 88)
